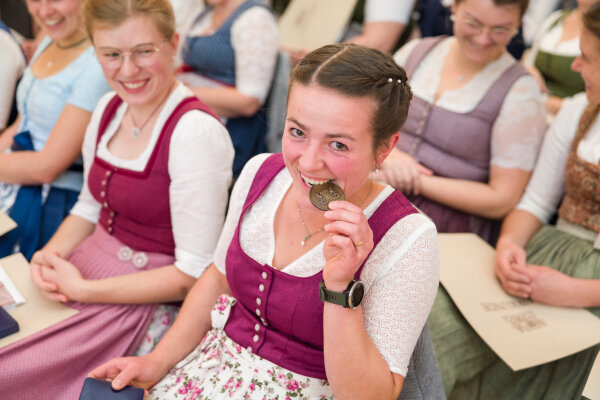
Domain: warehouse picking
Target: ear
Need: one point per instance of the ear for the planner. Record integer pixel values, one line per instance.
(175, 41)
(386, 148)
(453, 7)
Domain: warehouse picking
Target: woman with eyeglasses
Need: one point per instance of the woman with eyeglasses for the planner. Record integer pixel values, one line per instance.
(558, 265)
(554, 48)
(40, 165)
(475, 123)
(157, 165)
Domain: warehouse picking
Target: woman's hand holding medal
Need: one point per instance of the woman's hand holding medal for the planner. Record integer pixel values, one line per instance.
(349, 243)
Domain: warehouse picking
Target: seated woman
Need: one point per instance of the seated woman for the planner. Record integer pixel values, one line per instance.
(475, 124)
(554, 48)
(157, 167)
(278, 254)
(40, 175)
(232, 50)
(11, 69)
(557, 265)
(436, 17)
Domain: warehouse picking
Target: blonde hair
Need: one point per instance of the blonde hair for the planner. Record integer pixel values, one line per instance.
(113, 13)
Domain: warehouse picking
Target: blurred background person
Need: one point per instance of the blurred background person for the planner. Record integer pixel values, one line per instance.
(11, 69)
(475, 122)
(555, 47)
(157, 167)
(230, 52)
(40, 165)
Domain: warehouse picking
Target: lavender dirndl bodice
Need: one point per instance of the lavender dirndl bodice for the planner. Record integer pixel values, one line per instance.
(279, 316)
(454, 145)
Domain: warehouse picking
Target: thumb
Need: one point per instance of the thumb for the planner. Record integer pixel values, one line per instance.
(424, 170)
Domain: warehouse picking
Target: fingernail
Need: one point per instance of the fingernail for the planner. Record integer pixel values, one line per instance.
(117, 384)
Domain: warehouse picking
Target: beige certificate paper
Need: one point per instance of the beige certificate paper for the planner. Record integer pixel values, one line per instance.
(592, 387)
(37, 312)
(6, 223)
(310, 24)
(522, 333)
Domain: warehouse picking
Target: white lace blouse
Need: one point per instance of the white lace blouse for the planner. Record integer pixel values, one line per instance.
(255, 41)
(548, 39)
(200, 160)
(519, 128)
(547, 184)
(401, 275)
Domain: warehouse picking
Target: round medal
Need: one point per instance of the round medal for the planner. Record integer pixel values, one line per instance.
(321, 195)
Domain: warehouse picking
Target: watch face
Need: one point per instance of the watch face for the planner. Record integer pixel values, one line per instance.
(356, 294)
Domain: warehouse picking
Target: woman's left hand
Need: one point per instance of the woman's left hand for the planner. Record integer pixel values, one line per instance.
(65, 275)
(348, 245)
(549, 286)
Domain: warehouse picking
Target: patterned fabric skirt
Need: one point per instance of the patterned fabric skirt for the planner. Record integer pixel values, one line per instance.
(471, 370)
(219, 368)
(53, 363)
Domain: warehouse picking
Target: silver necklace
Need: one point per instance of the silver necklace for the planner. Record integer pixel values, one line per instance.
(308, 234)
(136, 131)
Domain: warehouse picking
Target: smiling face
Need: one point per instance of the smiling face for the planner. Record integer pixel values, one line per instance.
(483, 29)
(61, 19)
(137, 86)
(588, 64)
(327, 136)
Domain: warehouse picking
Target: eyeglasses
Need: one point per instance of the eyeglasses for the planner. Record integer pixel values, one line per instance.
(143, 55)
(496, 33)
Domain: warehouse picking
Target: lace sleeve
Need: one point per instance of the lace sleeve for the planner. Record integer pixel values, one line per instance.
(401, 279)
(255, 40)
(519, 127)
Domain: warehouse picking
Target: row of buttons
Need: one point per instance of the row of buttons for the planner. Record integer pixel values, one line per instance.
(259, 302)
(110, 221)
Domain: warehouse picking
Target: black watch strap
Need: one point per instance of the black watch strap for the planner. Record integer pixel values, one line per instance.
(355, 289)
(326, 295)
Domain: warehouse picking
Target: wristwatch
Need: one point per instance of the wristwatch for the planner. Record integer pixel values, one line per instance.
(349, 298)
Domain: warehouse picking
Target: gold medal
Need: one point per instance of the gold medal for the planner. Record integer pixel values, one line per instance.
(321, 195)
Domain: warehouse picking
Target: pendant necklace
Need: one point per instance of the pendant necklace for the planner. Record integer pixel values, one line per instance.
(308, 234)
(136, 131)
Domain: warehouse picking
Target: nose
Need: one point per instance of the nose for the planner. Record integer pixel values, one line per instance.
(311, 159)
(483, 38)
(128, 67)
(45, 8)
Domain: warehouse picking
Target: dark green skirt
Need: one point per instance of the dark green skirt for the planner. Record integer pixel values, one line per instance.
(471, 370)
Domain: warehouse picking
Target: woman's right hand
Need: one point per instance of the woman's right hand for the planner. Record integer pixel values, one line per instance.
(143, 372)
(48, 289)
(510, 268)
(402, 172)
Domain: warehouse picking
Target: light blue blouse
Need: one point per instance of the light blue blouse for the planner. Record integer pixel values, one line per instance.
(41, 101)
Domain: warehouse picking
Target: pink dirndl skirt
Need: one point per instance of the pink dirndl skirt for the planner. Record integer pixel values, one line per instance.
(53, 363)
